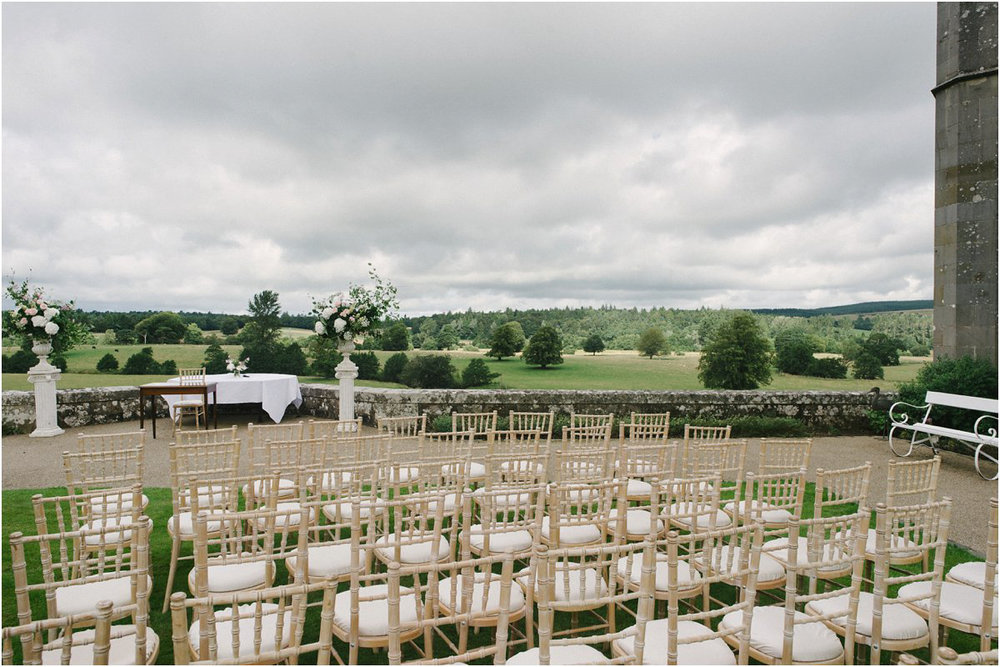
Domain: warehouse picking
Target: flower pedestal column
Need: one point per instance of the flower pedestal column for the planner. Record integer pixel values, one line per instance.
(346, 372)
(44, 376)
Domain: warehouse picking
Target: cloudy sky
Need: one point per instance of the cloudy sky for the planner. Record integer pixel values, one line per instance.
(185, 156)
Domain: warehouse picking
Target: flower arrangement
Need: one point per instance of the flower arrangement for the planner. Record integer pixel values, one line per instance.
(354, 316)
(237, 367)
(35, 317)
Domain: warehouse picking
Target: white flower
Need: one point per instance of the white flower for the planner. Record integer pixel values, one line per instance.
(327, 313)
(51, 328)
(39, 321)
(339, 324)
(51, 312)
(320, 328)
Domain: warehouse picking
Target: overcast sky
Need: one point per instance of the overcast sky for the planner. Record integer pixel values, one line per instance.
(185, 156)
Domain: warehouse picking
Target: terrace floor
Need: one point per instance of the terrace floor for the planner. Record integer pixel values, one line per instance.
(37, 463)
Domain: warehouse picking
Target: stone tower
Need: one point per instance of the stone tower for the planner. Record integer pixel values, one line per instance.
(965, 181)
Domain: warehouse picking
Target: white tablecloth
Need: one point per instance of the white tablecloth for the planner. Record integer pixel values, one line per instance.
(272, 390)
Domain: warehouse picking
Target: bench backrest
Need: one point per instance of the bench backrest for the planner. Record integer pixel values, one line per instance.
(958, 401)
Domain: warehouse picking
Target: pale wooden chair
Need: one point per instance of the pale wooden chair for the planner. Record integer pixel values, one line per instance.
(783, 455)
(695, 435)
(204, 437)
(96, 470)
(890, 623)
(586, 453)
(415, 528)
(460, 595)
(579, 513)
(214, 467)
(638, 461)
(517, 457)
(333, 428)
(108, 442)
(403, 427)
(583, 579)
(728, 458)
(653, 426)
(482, 423)
(458, 446)
(783, 635)
(258, 437)
(532, 421)
(692, 562)
(582, 420)
(360, 474)
(692, 504)
(251, 627)
(189, 404)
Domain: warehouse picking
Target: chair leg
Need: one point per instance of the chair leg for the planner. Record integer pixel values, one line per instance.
(175, 552)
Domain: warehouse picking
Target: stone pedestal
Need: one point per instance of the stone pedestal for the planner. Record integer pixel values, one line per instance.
(44, 376)
(346, 373)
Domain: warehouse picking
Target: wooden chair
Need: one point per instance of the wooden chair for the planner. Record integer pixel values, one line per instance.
(583, 579)
(586, 453)
(578, 513)
(449, 449)
(728, 458)
(412, 529)
(403, 427)
(189, 404)
(204, 437)
(908, 483)
(461, 595)
(333, 428)
(361, 474)
(692, 504)
(96, 470)
(783, 455)
(213, 466)
(532, 421)
(891, 624)
(783, 635)
(695, 435)
(641, 460)
(641, 426)
(690, 564)
(251, 627)
(108, 442)
(517, 457)
(578, 420)
(259, 437)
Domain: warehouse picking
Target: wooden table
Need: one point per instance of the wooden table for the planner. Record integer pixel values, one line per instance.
(155, 389)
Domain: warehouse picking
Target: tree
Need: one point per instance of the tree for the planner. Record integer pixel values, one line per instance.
(883, 348)
(265, 320)
(165, 327)
(477, 374)
(506, 341)
(447, 337)
(429, 371)
(396, 337)
(215, 359)
(794, 350)
(229, 326)
(193, 335)
(544, 349)
(107, 364)
(593, 344)
(867, 367)
(392, 369)
(652, 342)
(367, 363)
(738, 356)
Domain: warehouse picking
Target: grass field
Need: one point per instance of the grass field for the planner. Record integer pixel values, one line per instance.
(613, 370)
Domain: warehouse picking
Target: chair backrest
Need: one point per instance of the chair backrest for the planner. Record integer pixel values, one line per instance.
(912, 482)
(989, 580)
(532, 421)
(109, 441)
(213, 464)
(406, 427)
(645, 459)
(646, 426)
(771, 494)
(699, 434)
(516, 457)
(576, 420)
(452, 586)
(692, 503)
(579, 512)
(845, 487)
(90, 471)
(268, 628)
(87, 646)
(783, 455)
(191, 376)
(201, 436)
(482, 423)
(333, 428)
(582, 464)
(258, 435)
(508, 518)
(728, 458)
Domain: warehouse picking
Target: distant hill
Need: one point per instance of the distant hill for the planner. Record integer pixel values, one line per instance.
(850, 309)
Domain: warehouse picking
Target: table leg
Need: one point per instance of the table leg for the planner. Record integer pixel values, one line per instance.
(152, 406)
(215, 407)
(142, 410)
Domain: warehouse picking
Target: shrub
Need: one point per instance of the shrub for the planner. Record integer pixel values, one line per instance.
(395, 337)
(19, 362)
(919, 350)
(107, 364)
(141, 363)
(440, 424)
(794, 352)
(168, 367)
(275, 357)
(58, 361)
(747, 426)
(829, 367)
(432, 371)
(966, 376)
(215, 359)
(477, 374)
(392, 369)
(367, 364)
(867, 367)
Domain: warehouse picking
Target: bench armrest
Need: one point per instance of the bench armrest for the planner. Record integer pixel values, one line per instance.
(984, 430)
(901, 416)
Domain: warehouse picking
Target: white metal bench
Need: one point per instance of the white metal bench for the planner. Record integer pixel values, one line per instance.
(924, 432)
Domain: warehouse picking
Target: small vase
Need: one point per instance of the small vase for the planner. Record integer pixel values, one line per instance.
(345, 347)
(42, 348)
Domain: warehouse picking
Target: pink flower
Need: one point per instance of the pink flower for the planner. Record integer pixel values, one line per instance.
(31, 311)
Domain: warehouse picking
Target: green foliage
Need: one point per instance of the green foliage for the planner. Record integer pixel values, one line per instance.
(965, 376)
(168, 367)
(392, 369)
(215, 359)
(142, 363)
(883, 347)
(264, 326)
(275, 357)
(593, 344)
(107, 364)
(229, 326)
(794, 352)
(652, 342)
(828, 367)
(477, 374)
(430, 371)
(34, 315)
(440, 424)
(747, 426)
(867, 367)
(862, 323)
(126, 337)
(920, 350)
(396, 337)
(165, 327)
(506, 340)
(193, 335)
(367, 364)
(738, 355)
(19, 362)
(447, 337)
(544, 349)
(878, 420)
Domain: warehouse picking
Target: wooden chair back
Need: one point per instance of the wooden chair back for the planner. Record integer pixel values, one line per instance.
(482, 423)
(201, 436)
(783, 455)
(191, 376)
(502, 518)
(532, 421)
(728, 458)
(646, 426)
(87, 647)
(259, 435)
(333, 428)
(692, 503)
(515, 458)
(912, 482)
(846, 487)
(582, 464)
(108, 442)
(694, 435)
(767, 494)
(403, 427)
(579, 513)
(92, 471)
(578, 420)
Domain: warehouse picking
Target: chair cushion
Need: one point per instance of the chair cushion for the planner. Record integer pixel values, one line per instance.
(570, 587)
(637, 488)
(722, 520)
(232, 576)
(289, 513)
(112, 539)
(575, 534)
(959, 603)
(768, 512)
(122, 647)
(637, 522)
(404, 474)
(418, 552)
(210, 496)
(972, 573)
(503, 500)
(451, 501)
(185, 521)
(898, 621)
(286, 488)
(577, 654)
(687, 576)
(330, 480)
(479, 590)
(811, 642)
(778, 550)
(245, 631)
(83, 598)
(521, 466)
(329, 560)
(899, 547)
(517, 541)
(770, 570)
(373, 610)
(708, 652)
(109, 504)
(344, 509)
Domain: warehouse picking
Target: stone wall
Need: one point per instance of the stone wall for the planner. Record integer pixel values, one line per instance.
(823, 411)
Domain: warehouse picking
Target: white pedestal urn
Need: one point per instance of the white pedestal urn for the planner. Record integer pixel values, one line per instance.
(44, 376)
(346, 372)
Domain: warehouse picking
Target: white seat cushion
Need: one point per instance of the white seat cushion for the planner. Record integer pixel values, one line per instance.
(768, 512)
(571, 587)
(811, 642)
(503, 500)
(329, 560)
(479, 590)
(578, 654)
(637, 488)
(898, 621)
(122, 647)
(708, 652)
(959, 603)
(972, 573)
(245, 631)
(83, 598)
(288, 512)
(109, 504)
(330, 480)
(575, 534)
(232, 576)
(451, 501)
(210, 495)
(185, 522)
(343, 508)
(516, 541)
(113, 538)
(770, 570)
(722, 520)
(637, 522)
(286, 488)
(403, 474)
(687, 576)
(898, 546)
(418, 552)
(521, 466)
(778, 550)
(373, 610)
